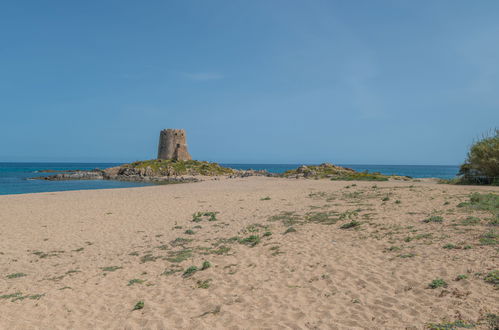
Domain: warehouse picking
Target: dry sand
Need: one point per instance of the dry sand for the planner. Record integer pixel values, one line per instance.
(319, 277)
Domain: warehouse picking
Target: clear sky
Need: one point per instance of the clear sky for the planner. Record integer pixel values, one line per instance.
(259, 81)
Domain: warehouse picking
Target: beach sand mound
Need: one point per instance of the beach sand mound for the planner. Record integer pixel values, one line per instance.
(250, 253)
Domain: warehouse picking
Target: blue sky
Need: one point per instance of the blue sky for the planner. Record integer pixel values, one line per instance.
(366, 82)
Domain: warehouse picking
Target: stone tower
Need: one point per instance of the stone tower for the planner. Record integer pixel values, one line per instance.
(172, 145)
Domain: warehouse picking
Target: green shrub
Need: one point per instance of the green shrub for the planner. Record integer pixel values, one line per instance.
(492, 277)
(437, 283)
(482, 163)
(190, 271)
(206, 265)
(138, 305)
(351, 224)
(251, 240)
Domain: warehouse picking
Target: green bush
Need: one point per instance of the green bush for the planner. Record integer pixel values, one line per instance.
(482, 163)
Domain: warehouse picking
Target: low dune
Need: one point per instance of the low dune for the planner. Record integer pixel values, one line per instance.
(249, 253)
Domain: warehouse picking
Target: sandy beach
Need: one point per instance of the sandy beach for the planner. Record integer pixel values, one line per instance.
(277, 254)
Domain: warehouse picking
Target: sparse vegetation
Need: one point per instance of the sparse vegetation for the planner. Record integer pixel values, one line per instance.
(489, 238)
(111, 268)
(179, 256)
(289, 230)
(470, 221)
(437, 283)
(351, 224)
(333, 172)
(180, 241)
(287, 218)
(450, 325)
(492, 321)
(135, 281)
(407, 255)
(190, 271)
(138, 305)
(434, 218)
(162, 167)
(148, 257)
(492, 277)
(251, 240)
(203, 284)
(206, 265)
(16, 275)
(200, 216)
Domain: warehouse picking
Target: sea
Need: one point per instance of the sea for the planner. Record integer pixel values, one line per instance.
(16, 178)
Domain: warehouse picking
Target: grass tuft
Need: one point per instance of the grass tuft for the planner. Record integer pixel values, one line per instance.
(437, 283)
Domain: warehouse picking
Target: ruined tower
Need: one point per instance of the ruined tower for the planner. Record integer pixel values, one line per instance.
(172, 145)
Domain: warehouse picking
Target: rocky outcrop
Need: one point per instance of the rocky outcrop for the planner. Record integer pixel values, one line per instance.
(158, 171)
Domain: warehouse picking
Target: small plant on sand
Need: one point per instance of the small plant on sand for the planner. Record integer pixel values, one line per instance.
(289, 230)
(265, 198)
(203, 284)
(407, 255)
(393, 248)
(287, 218)
(206, 265)
(11, 295)
(492, 277)
(200, 216)
(489, 238)
(111, 268)
(398, 201)
(16, 275)
(492, 320)
(138, 305)
(450, 325)
(450, 246)
(135, 281)
(470, 221)
(351, 224)
(251, 240)
(189, 271)
(434, 218)
(180, 241)
(349, 214)
(189, 232)
(461, 277)
(179, 256)
(267, 233)
(385, 199)
(326, 218)
(437, 283)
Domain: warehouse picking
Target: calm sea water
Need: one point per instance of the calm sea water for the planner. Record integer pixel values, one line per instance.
(14, 177)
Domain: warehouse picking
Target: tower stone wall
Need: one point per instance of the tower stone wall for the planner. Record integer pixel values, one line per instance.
(172, 145)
